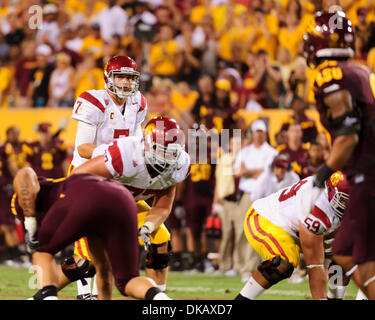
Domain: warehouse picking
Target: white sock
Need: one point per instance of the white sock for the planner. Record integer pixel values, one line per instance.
(360, 295)
(161, 296)
(252, 289)
(162, 287)
(84, 289)
(337, 292)
(94, 291)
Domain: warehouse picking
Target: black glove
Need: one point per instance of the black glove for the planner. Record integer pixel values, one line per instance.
(31, 243)
(144, 233)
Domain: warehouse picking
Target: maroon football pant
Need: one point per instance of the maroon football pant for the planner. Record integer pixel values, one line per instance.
(356, 235)
(102, 209)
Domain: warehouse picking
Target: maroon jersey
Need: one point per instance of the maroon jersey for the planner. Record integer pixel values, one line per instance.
(47, 161)
(201, 182)
(85, 205)
(5, 177)
(332, 76)
(298, 157)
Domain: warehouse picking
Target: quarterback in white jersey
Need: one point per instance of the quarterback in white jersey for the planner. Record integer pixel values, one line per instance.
(149, 166)
(105, 115)
(278, 230)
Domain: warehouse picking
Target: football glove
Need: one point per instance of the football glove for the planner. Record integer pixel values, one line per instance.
(31, 243)
(144, 233)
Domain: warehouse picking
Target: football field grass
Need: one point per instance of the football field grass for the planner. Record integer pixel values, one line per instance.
(19, 284)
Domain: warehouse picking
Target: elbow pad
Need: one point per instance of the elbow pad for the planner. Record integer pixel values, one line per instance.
(346, 125)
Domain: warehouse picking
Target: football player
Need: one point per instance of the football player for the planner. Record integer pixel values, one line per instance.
(345, 99)
(48, 209)
(278, 229)
(150, 166)
(103, 116)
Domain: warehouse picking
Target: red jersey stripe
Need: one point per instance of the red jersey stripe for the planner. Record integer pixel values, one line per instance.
(322, 216)
(270, 236)
(117, 164)
(268, 247)
(90, 98)
(143, 103)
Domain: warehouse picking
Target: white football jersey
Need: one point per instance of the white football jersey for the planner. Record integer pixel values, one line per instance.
(284, 209)
(125, 160)
(96, 108)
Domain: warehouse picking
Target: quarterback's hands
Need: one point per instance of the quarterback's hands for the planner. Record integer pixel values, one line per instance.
(144, 233)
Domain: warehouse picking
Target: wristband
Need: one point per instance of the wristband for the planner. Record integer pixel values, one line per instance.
(323, 174)
(150, 226)
(30, 224)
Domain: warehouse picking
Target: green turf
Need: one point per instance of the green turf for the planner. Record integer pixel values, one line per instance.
(15, 284)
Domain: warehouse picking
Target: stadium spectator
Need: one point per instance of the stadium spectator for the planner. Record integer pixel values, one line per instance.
(182, 101)
(87, 75)
(191, 55)
(62, 47)
(275, 177)
(38, 89)
(165, 57)
(61, 85)
(271, 80)
(49, 30)
(249, 164)
(315, 160)
(112, 20)
(365, 30)
(295, 148)
(22, 73)
(309, 129)
(6, 76)
(206, 91)
(93, 43)
(266, 28)
(48, 156)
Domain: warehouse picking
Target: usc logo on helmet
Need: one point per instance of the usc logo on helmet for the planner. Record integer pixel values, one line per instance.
(150, 128)
(336, 178)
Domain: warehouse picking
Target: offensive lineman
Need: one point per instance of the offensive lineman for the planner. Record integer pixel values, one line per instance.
(278, 229)
(150, 167)
(345, 99)
(103, 116)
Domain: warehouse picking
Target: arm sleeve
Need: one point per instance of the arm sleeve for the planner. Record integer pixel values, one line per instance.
(86, 133)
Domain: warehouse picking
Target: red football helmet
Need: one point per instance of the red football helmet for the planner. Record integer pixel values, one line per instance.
(338, 190)
(330, 35)
(121, 65)
(164, 142)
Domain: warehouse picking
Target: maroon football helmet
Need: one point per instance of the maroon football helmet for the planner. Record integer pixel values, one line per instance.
(338, 190)
(164, 142)
(125, 66)
(330, 35)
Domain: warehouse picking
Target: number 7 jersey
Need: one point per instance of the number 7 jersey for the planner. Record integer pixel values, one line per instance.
(284, 209)
(96, 108)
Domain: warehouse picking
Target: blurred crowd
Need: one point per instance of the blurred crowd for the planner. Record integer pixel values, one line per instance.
(201, 62)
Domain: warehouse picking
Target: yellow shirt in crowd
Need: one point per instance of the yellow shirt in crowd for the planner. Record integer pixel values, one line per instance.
(161, 58)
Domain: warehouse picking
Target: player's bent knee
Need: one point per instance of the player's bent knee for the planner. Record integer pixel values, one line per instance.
(77, 270)
(121, 284)
(157, 261)
(275, 270)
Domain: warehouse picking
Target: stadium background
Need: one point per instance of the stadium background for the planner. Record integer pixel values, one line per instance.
(238, 44)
